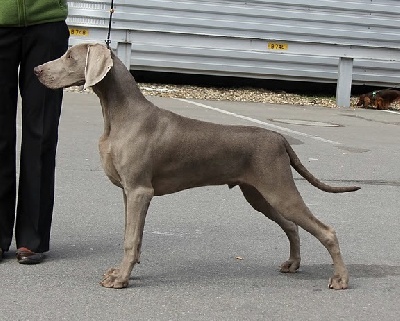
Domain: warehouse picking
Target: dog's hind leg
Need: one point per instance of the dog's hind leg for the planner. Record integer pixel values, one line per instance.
(285, 198)
(137, 202)
(260, 204)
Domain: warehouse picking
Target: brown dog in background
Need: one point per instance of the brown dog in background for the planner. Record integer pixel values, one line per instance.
(380, 99)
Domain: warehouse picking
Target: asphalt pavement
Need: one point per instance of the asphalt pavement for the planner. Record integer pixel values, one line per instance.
(207, 255)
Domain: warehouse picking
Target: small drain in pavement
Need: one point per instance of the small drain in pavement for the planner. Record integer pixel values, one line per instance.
(304, 122)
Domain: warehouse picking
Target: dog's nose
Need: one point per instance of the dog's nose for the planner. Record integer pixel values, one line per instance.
(37, 70)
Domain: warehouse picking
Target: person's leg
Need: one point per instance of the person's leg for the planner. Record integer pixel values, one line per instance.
(41, 108)
(9, 60)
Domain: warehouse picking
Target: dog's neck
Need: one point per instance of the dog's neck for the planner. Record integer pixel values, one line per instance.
(119, 94)
(118, 85)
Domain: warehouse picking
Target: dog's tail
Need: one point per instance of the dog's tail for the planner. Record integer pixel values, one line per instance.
(304, 172)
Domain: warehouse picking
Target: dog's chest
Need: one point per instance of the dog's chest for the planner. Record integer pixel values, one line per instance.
(108, 162)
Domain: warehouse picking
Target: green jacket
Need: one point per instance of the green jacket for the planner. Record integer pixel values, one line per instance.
(20, 13)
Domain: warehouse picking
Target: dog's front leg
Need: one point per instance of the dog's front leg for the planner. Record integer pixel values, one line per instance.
(137, 202)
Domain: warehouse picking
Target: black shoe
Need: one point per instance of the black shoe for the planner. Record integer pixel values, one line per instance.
(26, 256)
(1, 254)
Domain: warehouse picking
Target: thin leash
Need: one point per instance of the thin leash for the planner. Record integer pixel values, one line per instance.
(108, 41)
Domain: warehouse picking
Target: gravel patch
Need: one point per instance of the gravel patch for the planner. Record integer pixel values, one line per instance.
(258, 95)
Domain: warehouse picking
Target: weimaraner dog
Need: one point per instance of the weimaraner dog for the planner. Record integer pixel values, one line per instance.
(148, 151)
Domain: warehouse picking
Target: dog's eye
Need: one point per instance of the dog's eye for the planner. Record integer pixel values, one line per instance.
(69, 56)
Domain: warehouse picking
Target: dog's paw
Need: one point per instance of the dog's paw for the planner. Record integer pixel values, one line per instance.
(112, 279)
(290, 266)
(338, 282)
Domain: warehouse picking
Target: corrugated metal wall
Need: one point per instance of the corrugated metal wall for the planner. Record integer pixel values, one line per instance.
(231, 37)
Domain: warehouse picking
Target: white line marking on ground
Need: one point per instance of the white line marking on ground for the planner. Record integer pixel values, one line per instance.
(262, 123)
(392, 112)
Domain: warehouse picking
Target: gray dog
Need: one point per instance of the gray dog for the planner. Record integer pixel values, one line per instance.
(148, 151)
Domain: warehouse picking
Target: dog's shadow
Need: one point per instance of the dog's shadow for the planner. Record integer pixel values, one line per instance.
(257, 274)
(188, 271)
(320, 271)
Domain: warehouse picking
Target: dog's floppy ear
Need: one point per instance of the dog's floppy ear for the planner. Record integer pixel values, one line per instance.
(98, 64)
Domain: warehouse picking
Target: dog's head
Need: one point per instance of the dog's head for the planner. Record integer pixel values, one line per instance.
(83, 64)
(364, 100)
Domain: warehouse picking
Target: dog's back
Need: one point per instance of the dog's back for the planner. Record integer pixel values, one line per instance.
(380, 99)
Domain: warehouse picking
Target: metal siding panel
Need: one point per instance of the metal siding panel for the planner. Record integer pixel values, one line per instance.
(197, 36)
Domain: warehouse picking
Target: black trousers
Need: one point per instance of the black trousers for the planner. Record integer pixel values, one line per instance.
(21, 49)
